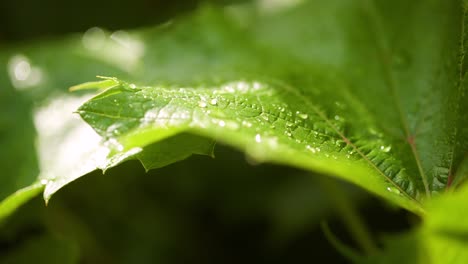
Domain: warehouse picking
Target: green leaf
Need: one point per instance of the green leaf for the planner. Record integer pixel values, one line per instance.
(442, 237)
(175, 149)
(36, 117)
(48, 143)
(12, 202)
(385, 114)
(370, 91)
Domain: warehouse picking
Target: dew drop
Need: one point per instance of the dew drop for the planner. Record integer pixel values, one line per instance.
(311, 149)
(340, 143)
(385, 149)
(222, 123)
(256, 86)
(232, 125)
(242, 87)
(246, 124)
(214, 101)
(264, 116)
(272, 141)
(114, 144)
(202, 104)
(393, 190)
(120, 147)
(258, 138)
(229, 89)
(113, 130)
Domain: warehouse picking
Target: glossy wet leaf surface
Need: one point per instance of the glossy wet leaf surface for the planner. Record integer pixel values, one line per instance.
(372, 92)
(386, 115)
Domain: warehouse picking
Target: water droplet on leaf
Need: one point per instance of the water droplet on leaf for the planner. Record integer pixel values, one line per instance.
(393, 190)
(246, 124)
(258, 138)
(385, 148)
(202, 104)
(311, 149)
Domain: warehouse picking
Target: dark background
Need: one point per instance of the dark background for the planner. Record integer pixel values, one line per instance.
(200, 210)
(30, 19)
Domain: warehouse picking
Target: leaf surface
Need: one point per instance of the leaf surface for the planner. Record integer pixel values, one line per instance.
(39, 130)
(369, 91)
(385, 114)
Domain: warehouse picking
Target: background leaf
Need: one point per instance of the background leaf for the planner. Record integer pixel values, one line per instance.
(440, 239)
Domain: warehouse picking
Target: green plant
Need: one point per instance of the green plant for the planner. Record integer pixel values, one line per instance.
(372, 92)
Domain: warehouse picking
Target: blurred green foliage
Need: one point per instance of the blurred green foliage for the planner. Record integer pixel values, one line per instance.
(198, 211)
(202, 210)
(23, 20)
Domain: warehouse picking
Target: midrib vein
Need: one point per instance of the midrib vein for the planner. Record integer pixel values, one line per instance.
(460, 88)
(306, 101)
(389, 79)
